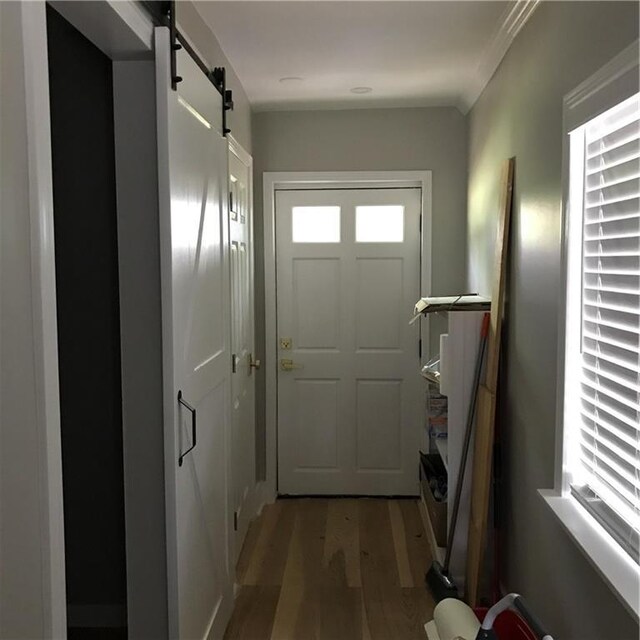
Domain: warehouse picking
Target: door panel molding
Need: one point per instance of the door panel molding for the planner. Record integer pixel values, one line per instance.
(282, 181)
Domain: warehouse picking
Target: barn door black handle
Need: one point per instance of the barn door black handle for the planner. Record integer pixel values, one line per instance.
(185, 404)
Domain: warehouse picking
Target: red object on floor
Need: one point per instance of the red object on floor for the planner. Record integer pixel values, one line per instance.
(508, 625)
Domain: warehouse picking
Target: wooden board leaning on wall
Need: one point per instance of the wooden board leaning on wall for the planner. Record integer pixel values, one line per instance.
(486, 407)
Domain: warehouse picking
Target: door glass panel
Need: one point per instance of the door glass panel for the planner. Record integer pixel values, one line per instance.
(316, 224)
(380, 223)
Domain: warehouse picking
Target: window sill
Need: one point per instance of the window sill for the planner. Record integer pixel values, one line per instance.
(603, 552)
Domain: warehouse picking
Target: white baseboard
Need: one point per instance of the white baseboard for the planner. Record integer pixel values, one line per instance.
(264, 495)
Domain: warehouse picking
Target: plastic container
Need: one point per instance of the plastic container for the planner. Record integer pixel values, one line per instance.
(508, 625)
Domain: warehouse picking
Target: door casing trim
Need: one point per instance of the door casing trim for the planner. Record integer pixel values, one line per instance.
(280, 181)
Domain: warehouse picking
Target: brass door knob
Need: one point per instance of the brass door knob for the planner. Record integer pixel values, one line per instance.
(253, 364)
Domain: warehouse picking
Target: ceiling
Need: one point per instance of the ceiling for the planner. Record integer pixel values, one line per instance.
(419, 53)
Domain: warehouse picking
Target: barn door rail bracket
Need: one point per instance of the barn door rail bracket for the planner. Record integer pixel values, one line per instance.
(164, 14)
(219, 75)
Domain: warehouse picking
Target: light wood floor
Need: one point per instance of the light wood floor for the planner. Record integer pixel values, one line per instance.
(333, 569)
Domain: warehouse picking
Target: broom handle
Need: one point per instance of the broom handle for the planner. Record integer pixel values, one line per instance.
(467, 439)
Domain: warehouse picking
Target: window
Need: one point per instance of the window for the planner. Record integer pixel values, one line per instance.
(596, 494)
(602, 342)
(380, 223)
(316, 224)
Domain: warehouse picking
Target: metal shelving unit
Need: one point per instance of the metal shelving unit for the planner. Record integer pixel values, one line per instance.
(458, 353)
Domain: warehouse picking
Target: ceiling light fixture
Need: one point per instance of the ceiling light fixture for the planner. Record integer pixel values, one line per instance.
(361, 90)
(291, 79)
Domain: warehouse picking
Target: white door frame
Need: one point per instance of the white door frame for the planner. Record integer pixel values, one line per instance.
(122, 31)
(278, 181)
(34, 193)
(245, 158)
(255, 500)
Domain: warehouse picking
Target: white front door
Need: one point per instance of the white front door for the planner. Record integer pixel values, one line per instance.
(242, 331)
(349, 390)
(192, 160)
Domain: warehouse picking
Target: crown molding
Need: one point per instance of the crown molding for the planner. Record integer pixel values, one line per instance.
(611, 84)
(625, 61)
(511, 22)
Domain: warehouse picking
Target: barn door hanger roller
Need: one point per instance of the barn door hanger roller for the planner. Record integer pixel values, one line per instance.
(217, 76)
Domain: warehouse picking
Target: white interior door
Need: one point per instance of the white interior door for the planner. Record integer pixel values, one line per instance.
(242, 331)
(349, 393)
(192, 160)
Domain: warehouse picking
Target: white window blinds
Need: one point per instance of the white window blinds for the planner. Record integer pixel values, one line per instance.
(606, 462)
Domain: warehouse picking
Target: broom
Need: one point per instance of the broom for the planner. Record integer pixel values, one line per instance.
(438, 578)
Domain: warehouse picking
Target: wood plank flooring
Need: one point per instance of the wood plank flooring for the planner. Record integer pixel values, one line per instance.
(333, 569)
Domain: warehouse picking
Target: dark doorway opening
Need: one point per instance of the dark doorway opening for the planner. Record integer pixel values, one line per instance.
(86, 246)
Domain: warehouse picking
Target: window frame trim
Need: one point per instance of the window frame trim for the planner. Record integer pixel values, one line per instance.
(610, 85)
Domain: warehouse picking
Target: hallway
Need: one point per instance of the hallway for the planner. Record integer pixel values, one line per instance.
(333, 569)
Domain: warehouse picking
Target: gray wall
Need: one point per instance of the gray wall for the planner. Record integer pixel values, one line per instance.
(368, 140)
(520, 114)
(201, 36)
(141, 347)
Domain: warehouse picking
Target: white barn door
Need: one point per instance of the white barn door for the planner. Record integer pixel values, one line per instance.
(192, 159)
(349, 389)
